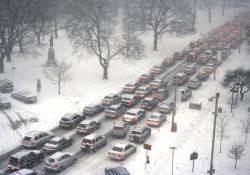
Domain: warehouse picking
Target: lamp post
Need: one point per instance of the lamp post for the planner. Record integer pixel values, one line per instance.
(172, 148)
(173, 125)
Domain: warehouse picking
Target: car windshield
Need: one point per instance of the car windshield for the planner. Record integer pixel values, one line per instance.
(50, 160)
(82, 125)
(53, 142)
(118, 149)
(65, 119)
(146, 101)
(111, 109)
(154, 116)
(26, 138)
(107, 97)
(13, 161)
(136, 132)
(118, 128)
(126, 98)
(88, 108)
(87, 141)
(130, 113)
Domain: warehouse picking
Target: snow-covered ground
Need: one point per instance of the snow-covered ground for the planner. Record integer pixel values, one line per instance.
(194, 127)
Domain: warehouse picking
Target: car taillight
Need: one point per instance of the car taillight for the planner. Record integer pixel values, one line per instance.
(130, 102)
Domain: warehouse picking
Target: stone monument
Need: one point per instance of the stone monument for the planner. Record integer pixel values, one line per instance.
(51, 53)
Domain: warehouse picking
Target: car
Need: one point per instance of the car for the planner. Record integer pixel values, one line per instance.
(6, 86)
(130, 88)
(88, 126)
(160, 94)
(93, 142)
(209, 68)
(180, 79)
(59, 161)
(166, 107)
(134, 115)
(202, 75)
(139, 134)
(178, 56)
(202, 59)
(194, 84)
(93, 109)
(149, 104)
(114, 111)
(190, 69)
(191, 57)
(111, 99)
(36, 139)
(4, 103)
(157, 69)
(146, 78)
(27, 172)
(116, 170)
(57, 144)
(158, 83)
(25, 159)
(185, 93)
(143, 91)
(24, 96)
(71, 120)
(130, 100)
(167, 62)
(120, 129)
(156, 119)
(121, 151)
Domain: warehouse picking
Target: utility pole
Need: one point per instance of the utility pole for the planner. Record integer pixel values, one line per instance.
(211, 171)
(173, 125)
(172, 148)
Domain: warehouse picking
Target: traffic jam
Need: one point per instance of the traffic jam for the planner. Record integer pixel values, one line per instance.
(132, 113)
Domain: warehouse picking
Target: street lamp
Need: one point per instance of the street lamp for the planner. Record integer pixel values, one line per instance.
(172, 148)
(173, 124)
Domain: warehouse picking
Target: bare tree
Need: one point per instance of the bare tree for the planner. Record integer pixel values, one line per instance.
(245, 127)
(195, 2)
(209, 4)
(222, 129)
(236, 152)
(58, 73)
(223, 6)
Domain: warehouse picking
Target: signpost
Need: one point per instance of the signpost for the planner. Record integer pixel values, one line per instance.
(147, 147)
(193, 157)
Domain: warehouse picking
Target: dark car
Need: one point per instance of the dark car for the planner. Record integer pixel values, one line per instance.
(4, 103)
(149, 104)
(6, 86)
(130, 88)
(130, 100)
(57, 144)
(114, 111)
(71, 120)
(24, 96)
(88, 126)
(146, 78)
(118, 170)
(111, 99)
(120, 129)
(93, 109)
(25, 159)
(139, 134)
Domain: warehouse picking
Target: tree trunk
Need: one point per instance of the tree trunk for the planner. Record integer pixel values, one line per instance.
(38, 38)
(209, 16)
(1, 65)
(246, 138)
(8, 54)
(235, 165)
(105, 72)
(155, 41)
(55, 25)
(220, 143)
(194, 16)
(59, 87)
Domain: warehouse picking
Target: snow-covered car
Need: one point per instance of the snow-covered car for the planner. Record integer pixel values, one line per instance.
(130, 88)
(166, 107)
(178, 56)
(4, 103)
(156, 119)
(134, 115)
(93, 109)
(57, 144)
(157, 69)
(25, 159)
(169, 61)
(6, 86)
(114, 111)
(36, 139)
(120, 129)
(146, 78)
(24, 96)
(139, 134)
(158, 83)
(143, 91)
(121, 151)
(160, 94)
(130, 100)
(59, 161)
(111, 99)
(190, 69)
(26, 172)
(71, 120)
(117, 170)
(149, 104)
(93, 142)
(88, 126)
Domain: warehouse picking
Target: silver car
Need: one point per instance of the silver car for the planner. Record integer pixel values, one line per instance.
(121, 151)
(59, 161)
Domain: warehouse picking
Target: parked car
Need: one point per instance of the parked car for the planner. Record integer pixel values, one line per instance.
(121, 151)
(194, 84)
(190, 69)
(166, 107)
(158, 83)
(93, 109)
(143, 91)
(157, 69)
(185, 93)
(130, 100)
(111, 99)
(59, 161)
(178, 56)
(24, 96)
(202, 75)
(169, 61)
(156, 119)
(26, 172)
(120, 129)
(25, 159)
(180, 79)
(71, 120)
(149, 104)
(6, 86)
(134, 115)
(57, 144)
(114, 111)
(139, 134)
(146, 78)
(130, 88)
(36, 139)
(93, 142)
(4, 103)
(88, 126)
(117, 170)
(161, 94)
